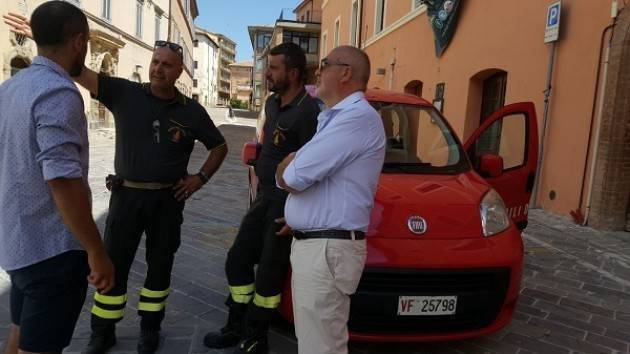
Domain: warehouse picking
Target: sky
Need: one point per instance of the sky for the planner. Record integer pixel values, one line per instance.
(231, 18)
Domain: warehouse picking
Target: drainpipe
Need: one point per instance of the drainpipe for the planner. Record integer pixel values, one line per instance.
(360, 24)
(552, 58)
(596, 116)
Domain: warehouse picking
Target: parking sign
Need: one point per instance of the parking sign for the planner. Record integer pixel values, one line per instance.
(552, 28)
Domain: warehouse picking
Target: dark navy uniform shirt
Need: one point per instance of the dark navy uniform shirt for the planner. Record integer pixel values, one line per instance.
(154, 137)
(286, 130)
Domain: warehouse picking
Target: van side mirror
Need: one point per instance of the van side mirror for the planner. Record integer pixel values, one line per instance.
(249, 155)
(491, 165)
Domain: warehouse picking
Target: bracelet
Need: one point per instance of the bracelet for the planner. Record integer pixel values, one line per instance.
(204, 178)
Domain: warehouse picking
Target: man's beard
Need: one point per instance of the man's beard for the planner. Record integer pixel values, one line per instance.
(76, 69)
(279, 87)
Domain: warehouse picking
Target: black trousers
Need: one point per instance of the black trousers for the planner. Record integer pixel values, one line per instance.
(257, 243)
(46, 299)
(131, 212)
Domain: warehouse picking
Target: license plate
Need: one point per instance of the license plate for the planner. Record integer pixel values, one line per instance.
(426, 305)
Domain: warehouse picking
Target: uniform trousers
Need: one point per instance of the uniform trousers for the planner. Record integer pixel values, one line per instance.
(257, 244)
(133, 212)
(325, 273)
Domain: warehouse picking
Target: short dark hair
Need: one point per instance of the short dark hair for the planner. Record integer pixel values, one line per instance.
(294, 57)
(54, 22)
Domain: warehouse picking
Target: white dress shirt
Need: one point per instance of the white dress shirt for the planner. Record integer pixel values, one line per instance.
(337, 171)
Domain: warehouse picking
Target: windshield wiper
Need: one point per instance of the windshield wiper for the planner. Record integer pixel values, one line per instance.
(405, 167)
(406, 164)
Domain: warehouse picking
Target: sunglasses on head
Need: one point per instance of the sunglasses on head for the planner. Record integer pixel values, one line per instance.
(324, 63)
(172, 46)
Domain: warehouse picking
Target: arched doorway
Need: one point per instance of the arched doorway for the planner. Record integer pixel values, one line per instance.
(414, 87)
(486, 94)
(19, 63)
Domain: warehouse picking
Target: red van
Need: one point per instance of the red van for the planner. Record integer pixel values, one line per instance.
(445, 254)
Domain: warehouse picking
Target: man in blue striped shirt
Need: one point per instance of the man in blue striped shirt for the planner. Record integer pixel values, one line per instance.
(49, 243)
(332, 181)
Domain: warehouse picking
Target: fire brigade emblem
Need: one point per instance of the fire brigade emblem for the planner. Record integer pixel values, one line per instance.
(177, 132)
(417, 225)
(278, 137)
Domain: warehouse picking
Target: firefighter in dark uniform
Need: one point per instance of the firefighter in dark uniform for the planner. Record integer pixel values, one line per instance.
(156, 129)
(291, 121)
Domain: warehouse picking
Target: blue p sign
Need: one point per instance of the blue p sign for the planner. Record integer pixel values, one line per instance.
(553, 15)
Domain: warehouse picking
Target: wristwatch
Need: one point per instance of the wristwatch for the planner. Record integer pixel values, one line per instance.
(204, 177)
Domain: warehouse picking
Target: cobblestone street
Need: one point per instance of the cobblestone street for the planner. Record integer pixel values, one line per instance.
(575, 292)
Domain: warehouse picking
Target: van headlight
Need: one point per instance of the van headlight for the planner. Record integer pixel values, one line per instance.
(494, 217)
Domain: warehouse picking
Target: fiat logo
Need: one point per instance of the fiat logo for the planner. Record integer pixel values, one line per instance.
(417, 225)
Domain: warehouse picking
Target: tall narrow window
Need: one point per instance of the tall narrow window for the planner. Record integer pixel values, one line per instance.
(157, 26)
(380, 16)
(354, 20)
(139, 5)
(336, 38)
(308, 16)
(106, 11)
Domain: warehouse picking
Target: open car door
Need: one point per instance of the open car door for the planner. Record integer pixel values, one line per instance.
(504, 151)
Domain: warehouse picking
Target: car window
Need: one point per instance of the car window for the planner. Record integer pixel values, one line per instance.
(505, 138)
(419, 141)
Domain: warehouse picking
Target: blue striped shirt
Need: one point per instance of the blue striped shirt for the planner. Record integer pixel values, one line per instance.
(43, 131)
(338, 170)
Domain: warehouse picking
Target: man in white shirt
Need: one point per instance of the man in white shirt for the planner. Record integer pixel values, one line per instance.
(332, 181)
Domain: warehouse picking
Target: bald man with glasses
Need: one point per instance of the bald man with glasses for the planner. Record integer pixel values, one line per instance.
(331, 183)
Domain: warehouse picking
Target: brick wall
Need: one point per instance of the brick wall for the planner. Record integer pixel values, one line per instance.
(611, 187)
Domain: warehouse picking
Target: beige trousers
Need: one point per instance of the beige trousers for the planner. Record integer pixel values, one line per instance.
(325, 273)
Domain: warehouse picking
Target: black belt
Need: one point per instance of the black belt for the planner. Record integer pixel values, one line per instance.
(336, 234)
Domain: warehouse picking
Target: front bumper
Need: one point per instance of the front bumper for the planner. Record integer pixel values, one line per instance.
(484, 274)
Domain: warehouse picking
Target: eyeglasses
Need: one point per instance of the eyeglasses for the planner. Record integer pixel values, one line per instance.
(172, 46)
(326, 63)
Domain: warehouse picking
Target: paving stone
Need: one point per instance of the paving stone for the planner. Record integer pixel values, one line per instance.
(554, 327)
(608, 323)
(576, 344)
(587, 307)
(535, 345)
(531, 311)
(538, 294)
(496, 346)
(608, 342)
(617, 334)
(561, 310)
(571, 322)
(170, 345)
(600, 290)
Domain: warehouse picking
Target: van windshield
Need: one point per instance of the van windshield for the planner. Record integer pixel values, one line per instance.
(419, 141)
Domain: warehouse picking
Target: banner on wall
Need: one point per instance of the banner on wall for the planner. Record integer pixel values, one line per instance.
(443, 15)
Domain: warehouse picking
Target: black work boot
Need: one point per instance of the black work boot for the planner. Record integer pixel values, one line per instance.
(149, 341)
(255, 344)
(232, 332)
(255, 333)
(101, 340)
